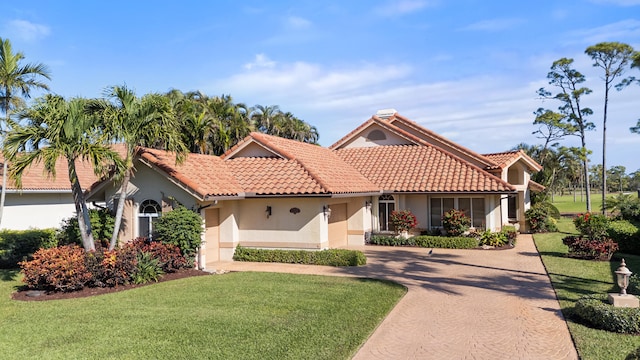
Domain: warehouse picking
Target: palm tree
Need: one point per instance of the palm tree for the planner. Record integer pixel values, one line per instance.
(15, 78)
(59, 128)
(148, 121)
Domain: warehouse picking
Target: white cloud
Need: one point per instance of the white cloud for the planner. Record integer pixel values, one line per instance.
(493, 25)
(260, 62)
(26, 30)
(296, 22)
(626, 30)
(401, 7)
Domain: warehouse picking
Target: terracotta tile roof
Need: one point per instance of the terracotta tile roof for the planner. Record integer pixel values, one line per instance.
(507, 158)
(272, 176)
(412, 168)
(35, 178)
(321, 165)
(441, 141)
(206, 175)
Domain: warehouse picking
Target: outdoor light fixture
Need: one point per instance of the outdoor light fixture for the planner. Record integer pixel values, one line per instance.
(368, 205)
(623, 277)
(268, 211)
(326, 210)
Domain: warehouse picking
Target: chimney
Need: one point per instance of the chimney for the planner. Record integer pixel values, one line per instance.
(386, 113)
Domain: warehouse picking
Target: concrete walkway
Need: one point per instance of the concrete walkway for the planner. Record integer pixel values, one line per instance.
(461, 304)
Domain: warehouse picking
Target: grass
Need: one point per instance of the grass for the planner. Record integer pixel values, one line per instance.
(573, 278)
(566, 203)
(232, 316)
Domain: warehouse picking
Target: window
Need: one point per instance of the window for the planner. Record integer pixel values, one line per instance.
(376, 135)
(148, 213)
(472, 207)
(512, 206)
(386, 205)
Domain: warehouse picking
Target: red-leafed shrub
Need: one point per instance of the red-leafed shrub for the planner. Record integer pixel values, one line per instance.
(57, 269)
(111, 268)
(403, 220)
(455, 222)
(170, 259)
(592, 249)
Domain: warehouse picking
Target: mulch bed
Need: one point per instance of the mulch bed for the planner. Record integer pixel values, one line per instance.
(24, 294)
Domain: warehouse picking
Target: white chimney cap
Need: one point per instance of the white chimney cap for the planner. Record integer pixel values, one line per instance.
(386, 113)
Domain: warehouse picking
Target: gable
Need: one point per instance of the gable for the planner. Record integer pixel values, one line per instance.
(375, 135)
(252, 149)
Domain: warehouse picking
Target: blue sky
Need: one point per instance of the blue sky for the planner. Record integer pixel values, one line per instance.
(466, 69)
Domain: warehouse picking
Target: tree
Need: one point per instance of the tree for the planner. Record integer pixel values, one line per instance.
(635, 64)
(618, 177)
(613, 58)
(148, 121)
(15, 78)
(59, 128)
(572, 114)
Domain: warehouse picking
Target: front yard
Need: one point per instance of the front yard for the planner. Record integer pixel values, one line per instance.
(573, 278)
(231, 316)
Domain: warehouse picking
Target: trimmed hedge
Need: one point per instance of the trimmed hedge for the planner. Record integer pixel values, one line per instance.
(595, 311)
(20, 245)
(626, 234)
(429, 241)
(331, 257)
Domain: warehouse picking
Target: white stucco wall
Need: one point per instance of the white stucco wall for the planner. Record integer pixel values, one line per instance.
(36, 210)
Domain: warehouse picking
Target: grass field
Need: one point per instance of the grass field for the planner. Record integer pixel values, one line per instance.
(231, 316)
(568, 204)
(573, 278)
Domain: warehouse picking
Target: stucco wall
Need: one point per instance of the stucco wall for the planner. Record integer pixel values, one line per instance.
(36, 210)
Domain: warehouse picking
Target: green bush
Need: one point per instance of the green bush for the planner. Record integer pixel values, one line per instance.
(626, 234)
(148, 269)
(594, 310)
(102, 223)
(20, 245)
(331, 257)
(182, 228)
(455, 222)
(427, 241)
(540, 218)
(169, 256)
(488, 238)
(593, 226)
(511, 233)
(634, 355)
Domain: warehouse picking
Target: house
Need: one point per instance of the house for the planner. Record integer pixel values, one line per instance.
(44, 200)
(270, 192)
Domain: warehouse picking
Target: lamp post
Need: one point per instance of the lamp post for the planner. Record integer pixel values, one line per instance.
(623, 274)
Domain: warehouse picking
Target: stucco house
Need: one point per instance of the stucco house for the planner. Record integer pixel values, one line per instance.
(270, 192)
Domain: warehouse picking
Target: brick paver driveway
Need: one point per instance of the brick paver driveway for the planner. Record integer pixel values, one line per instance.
(461, 304)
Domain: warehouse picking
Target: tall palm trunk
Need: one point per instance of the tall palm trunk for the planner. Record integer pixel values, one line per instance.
(120, 209)
(81, 208)
(5, 168)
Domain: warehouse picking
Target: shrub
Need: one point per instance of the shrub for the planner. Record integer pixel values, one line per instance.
(634, 284)
(634, 355)
(169, 257)
(148, 269)
(626, 206)
(427, 241)
(626, 234)
(19, 245)
(455, 222)
(590, 249)
(181, 227)
(102, 223)
(594, 310)
(331, 257)
(540, 219)
(593, 226)
(489, 238)
(112, 268)
(57, 269)
(511, 233)
(403, 220)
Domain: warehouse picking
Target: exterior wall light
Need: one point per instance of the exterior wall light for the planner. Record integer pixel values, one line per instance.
(327, 211)
(268, 211)
(368, 205)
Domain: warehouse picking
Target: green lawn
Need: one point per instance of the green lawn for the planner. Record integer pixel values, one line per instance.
(567, 203)
(231, 316)
(573, 278)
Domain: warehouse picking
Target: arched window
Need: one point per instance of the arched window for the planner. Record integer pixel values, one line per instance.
(386, 205)
(148, 213)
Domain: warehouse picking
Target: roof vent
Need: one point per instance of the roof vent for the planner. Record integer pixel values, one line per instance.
(386, 113)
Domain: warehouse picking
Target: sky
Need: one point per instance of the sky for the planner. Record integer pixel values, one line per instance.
(466, 69)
